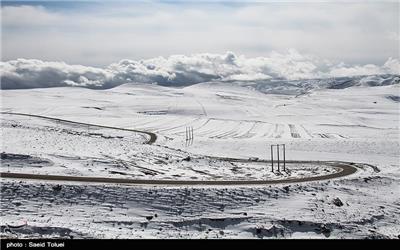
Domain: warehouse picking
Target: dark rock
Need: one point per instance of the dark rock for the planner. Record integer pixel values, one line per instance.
(326, 230)
(149, 217)
(57, 188)
(17, 203)
(186, 158)
(286, 188)
(253, 159)
(366, 179)
(337, 202)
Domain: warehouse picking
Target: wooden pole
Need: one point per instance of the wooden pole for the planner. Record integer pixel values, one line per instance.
(277, 151)
(272, 157)
(186, 136)
(284, 158)
(190, 136)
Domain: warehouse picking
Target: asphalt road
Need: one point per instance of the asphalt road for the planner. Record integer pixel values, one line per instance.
(345, 169)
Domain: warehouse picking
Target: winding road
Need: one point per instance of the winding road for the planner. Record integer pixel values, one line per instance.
(346, 168)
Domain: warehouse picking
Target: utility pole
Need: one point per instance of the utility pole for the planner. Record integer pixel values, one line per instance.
(192, 135)
(272, 157)
(284, 157)
(278, 147)
(189, 136)
(277, 151)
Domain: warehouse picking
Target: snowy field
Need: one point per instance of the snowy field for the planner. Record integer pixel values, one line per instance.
(357, 124)
(50, 147)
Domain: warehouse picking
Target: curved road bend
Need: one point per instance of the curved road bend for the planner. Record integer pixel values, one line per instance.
(345, 170)
(153, 136)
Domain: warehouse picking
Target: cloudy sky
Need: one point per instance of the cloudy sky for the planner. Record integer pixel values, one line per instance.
(100, 33)
(322, 35)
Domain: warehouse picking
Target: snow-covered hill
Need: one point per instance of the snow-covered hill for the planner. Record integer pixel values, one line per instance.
(348, 119)
(297, 87)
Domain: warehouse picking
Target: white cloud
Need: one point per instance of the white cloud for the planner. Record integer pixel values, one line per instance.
(31, 73)
(180, 70)
(391, 66)
(99, 34)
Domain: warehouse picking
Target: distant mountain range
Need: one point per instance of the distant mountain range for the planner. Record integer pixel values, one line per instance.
(298, 87)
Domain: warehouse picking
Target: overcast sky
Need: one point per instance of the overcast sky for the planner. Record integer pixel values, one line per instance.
(100, 33)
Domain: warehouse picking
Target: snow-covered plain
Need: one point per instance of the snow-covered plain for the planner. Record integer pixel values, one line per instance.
(317, 122)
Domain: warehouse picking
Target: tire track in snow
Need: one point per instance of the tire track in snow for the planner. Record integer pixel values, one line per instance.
(247, 134)
(179, 126)
(207, 132)
(293, 131)
(307, 132)
(228, 133)
(202, 107)
(269, 132)
(278, 132)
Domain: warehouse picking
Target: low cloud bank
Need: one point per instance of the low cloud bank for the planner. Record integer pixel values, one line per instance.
(181, 70)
